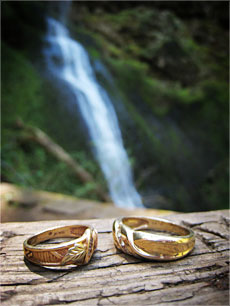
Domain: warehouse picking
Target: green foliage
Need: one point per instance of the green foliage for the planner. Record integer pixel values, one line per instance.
(25, 164)
(161, 67)
(171, 73)
(214, 111)
(94, 53)
(28, 165)
(21, 88)
(133, 77)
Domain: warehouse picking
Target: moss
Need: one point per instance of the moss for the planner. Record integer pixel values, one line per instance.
(142, 125)
(214, 112)
(163, 71)
(183, 95)
(132, 77)
(94, 53)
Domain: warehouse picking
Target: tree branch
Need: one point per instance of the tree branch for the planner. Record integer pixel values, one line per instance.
(38, 136)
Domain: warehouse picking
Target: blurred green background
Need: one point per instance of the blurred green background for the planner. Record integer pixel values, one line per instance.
(165, 67)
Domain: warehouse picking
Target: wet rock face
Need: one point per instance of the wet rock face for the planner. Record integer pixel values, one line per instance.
(163, 59)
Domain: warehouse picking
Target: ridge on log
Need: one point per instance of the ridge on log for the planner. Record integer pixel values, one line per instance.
(114, 278)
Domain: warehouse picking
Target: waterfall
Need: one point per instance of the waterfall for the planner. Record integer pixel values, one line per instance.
(68, 60)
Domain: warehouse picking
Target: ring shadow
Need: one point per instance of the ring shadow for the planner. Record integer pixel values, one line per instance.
(47, 271)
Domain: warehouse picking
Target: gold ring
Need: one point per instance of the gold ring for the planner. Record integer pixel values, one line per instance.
(160, 240)
(77, 251)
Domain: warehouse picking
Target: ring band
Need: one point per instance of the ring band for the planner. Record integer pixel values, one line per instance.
(77, 251)
(169, 241)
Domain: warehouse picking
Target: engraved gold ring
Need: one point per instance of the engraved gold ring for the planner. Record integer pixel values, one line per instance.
(77, 251)
(152, 238)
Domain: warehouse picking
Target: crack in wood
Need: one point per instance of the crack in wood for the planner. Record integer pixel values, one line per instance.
(225, 221)
(115, 278)
(8, 234)
(178, 299)
(58, 277)
(193, 294)
(190, 225)
(196, 224)
(221, 281)
(207, 242)
(222, 277)
(6, 295)
(209, 231)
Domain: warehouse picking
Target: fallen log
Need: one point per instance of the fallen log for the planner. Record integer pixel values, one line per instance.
(38, 136)
(23, 204)
(115, 278)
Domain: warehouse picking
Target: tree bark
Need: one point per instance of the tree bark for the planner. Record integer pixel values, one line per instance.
(114, 278)
(58, 152)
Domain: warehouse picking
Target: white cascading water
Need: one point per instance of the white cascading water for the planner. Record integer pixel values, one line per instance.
(68, 60)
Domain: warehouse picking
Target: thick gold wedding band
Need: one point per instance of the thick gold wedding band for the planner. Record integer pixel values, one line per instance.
(77, 251)
(152, 238)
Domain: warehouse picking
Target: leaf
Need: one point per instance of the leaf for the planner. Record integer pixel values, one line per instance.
(74, 254)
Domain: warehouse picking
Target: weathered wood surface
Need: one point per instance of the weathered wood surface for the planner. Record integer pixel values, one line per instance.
(114, 278)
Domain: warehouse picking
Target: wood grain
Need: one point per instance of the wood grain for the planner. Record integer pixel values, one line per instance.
(114, 278)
